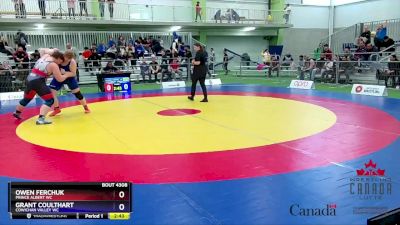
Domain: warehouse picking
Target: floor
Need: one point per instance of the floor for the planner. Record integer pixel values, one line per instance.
(252, 155)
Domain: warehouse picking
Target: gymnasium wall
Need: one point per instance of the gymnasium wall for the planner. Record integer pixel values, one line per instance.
(310, 25)
(373, 10)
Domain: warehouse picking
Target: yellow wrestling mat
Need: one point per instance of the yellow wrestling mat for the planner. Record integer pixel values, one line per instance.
(132, 126)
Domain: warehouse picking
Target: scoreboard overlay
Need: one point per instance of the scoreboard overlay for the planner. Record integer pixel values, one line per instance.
(64, 200)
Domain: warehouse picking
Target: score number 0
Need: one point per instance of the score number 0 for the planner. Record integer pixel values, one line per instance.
(121, 206)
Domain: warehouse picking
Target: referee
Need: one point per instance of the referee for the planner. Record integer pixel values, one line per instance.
(199, 72)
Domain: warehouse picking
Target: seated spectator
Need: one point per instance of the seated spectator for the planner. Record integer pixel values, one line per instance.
(94, 46)
(21, 58)
(393, 71)
(33, 58)
(120, 61)
(366, 35)
(112, 52)
(35, 55)
(301, 67)
(381, 32)
(139, 50)
(111, 42)
(121, 42)
(144, 70)
(275, 66)
(369, 49)
(188, 53)
(110, 68)
(359, 55)
(309, 67)
(175, 69)
(347, 64)
(101, 49)
(327, 52)
(130, 54)
(388, 44)
(155, 69)
(165, 61)
(86, 54)
(287, 61)
(326, 71)
(4, 48)
(94, 59)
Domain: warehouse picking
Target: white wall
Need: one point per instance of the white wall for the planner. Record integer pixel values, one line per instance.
(303, 16)
(347, 15)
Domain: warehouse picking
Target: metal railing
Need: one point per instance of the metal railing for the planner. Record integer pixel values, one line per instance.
(54, 9)
(79, 40)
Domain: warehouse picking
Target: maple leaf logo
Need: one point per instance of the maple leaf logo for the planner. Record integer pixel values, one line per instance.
(370, 170)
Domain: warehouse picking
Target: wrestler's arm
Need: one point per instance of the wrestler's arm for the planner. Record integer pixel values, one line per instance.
(53, 69)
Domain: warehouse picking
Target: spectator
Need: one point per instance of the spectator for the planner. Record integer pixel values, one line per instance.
(144, 70)
(83, 7)
(218, 16)
(4, 48)
(188, 53)
(275, 66)
(366, 35)
(121, 42)
(21, 40)
(301, 67)
(287, 61)
(130, 54)
(112, 52)
(111, 42)
(388, 44)
(71, 8)
(154, 68)
(175, 69)
(111, 8)
(33, 58)
(94, 59)
(73, 49)
(393, 71)
(347, 63)
(110, 68)
(19, 6)
(266, 57)
(42, 8)
(225, 62)
(86, 54)
(211, 60)
(235, 16)
(287, 10)
(327, 52)
(326, 70)
(381, 32)
(139, 50)
(35, 55)
(369, 50)
(101, 8)
(360, 52)
(156, 46)
(21, 58)
(102, 49)
(198, 11)
(165, 65)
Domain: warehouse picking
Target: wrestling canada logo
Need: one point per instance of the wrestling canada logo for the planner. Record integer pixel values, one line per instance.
(359, 89)
(370, 183)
